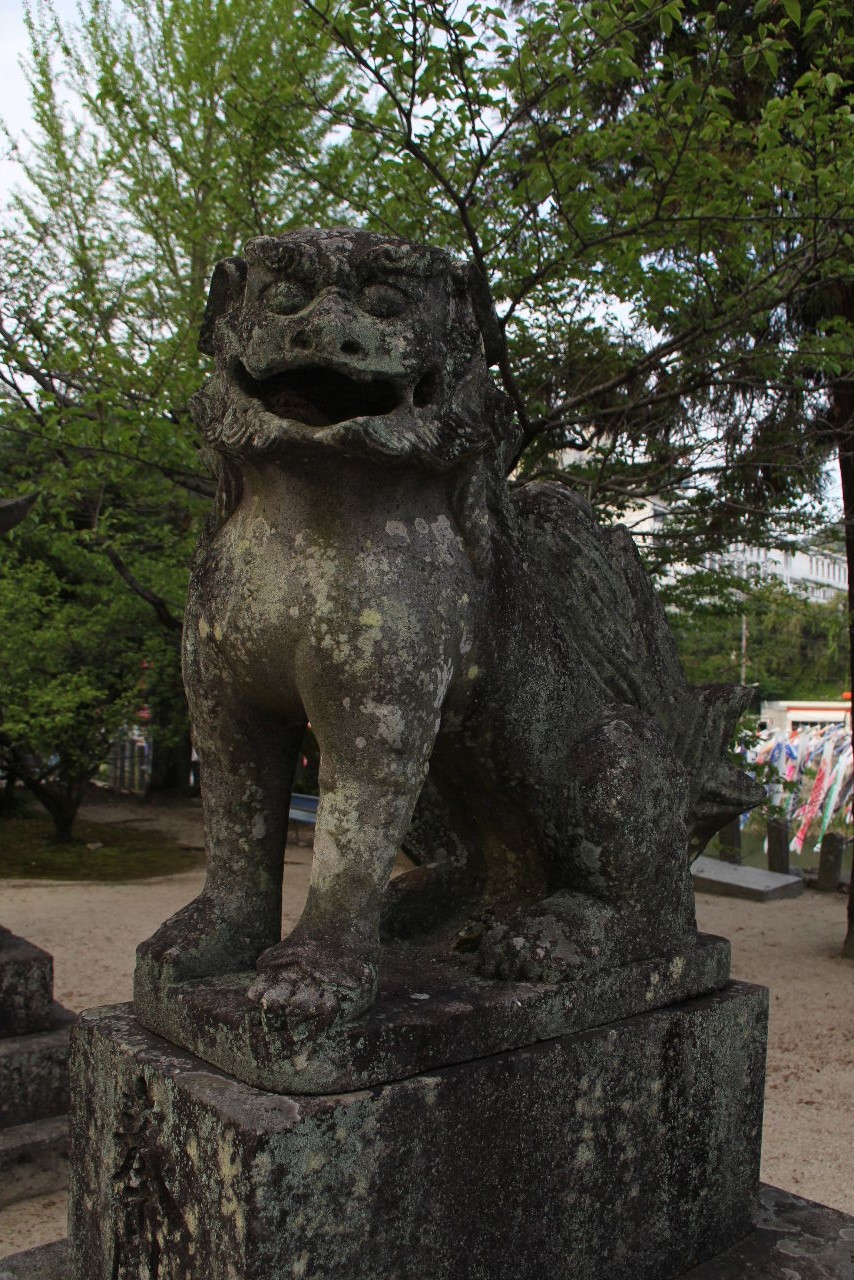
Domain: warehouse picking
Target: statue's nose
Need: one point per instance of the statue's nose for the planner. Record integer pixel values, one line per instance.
(320, 340)
(327, 330)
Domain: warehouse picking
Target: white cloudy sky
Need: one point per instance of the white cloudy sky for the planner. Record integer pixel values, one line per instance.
(14, 107)
(13, 39)
(14, 93)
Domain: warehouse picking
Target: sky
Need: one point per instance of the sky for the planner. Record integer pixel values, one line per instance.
(13, 42)
(14, 107)
(14, 93)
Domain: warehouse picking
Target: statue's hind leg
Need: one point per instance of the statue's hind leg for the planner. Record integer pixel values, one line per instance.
(448, 872)
(623, 888)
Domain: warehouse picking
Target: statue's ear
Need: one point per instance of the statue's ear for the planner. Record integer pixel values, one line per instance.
(470, 279)
(226, 292)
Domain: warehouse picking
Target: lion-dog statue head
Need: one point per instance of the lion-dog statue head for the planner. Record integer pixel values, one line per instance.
(352, 341)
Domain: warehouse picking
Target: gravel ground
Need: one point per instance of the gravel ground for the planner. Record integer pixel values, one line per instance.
(792, 947)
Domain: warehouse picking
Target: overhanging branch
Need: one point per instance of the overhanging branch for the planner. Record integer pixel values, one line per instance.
(158, 604)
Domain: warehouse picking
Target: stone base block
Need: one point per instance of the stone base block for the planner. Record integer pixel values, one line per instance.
(47, 1262)
(711, 875)
(33, 1159)
(791, 1238)
(34, 1073)
(26, 986)
(623, 1152)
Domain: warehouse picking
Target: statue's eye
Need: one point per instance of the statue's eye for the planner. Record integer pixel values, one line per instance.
(383, 300)
(287, 296)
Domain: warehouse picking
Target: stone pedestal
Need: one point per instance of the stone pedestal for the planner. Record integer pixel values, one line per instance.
(787, 1231)
(26, 986)
(628, 1151)
(34, 1034)
(432, 1010)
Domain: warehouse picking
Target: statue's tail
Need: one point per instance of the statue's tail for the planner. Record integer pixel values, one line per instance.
(602, 595)
(725, 791)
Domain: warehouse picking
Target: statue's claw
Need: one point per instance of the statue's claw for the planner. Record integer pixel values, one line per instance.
(200, 940)
(315, 985)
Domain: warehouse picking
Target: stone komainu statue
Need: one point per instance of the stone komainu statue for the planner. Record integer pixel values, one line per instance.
(489, 674)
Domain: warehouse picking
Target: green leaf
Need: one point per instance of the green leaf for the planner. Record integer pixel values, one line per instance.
(816, 17)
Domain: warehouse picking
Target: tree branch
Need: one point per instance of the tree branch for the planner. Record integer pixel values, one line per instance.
(158, 604)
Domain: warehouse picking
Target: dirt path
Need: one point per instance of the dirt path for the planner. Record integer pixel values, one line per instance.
(792, 947)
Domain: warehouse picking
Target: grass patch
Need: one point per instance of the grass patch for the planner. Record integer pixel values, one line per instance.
(98, 852)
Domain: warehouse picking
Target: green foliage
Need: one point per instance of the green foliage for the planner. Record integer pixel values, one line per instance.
(71, 651)
(656, 194)
(165, 134)
(795, 648)
(183, 140)
(659, 196)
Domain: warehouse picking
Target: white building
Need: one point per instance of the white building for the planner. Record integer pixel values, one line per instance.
(788, 716)
(819, 574)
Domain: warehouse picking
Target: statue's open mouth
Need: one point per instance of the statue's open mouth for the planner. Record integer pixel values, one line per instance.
(320, 397)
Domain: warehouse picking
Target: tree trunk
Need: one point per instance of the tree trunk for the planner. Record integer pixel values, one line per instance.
(62, 803)
(843, 405)
(63, 825)
(9, 802)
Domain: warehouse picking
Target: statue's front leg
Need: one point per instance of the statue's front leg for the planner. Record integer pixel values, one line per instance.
(374, 757)
(247, 760)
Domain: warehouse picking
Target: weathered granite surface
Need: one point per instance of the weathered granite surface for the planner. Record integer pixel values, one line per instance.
(26, 986)
(33, 1158)
(34, 1072)
(34, 1035)
(792, 1239)
(628, 1152)
(489, 675)
(432, 1010)
(47, 1262)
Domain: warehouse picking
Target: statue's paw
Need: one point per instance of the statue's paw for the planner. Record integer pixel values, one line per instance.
(315, 985)
(548, 946)
(508, 953)
(200, 941)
